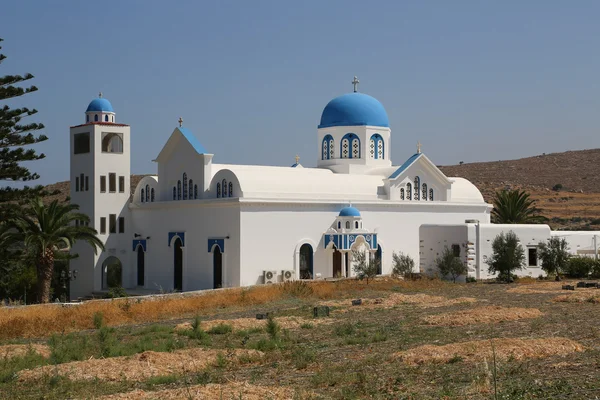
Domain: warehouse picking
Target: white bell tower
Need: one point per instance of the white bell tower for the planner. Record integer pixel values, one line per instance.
(100, 185)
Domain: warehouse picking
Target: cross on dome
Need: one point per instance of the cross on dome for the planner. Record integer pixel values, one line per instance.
(355, 82)
(180, 122)
(419, 147)
(297, 158)
(100, 95)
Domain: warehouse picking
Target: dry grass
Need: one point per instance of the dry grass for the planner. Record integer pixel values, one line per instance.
(482, 315)
(137, 367)
(538, 288)
(19, 350)
(395, 299)
(242, 390)
(44, 320)
(251, 323)
(580, 296)
(479, 350)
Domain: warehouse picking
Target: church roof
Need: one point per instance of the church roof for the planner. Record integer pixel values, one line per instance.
(463, 191)
(193, 140)
(354, 109)
(349, 212)
(406, 164)
(100, 104)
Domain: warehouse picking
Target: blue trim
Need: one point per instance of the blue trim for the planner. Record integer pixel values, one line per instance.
(351, 137)
(217, 242)
(354, 109)
(193, 140)
(181, 235)
(345, 242)
(139, 242)
(349, 212)
(376, 138)
(406, 164)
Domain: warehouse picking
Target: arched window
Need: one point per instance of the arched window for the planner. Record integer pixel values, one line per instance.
(417, 188)
(96, 118)
(174, 193)
(306, 261)
(106, 118)
(147, 192)
(350, 146)
(230, 189)
(327, 150)
(218, 190)
(178, 190)
(112, 118)
(376, 150)
(152, 195)
(347, 224)
(424, 197)
(224, 188)
(339, 225)
(195, 191)
(112, 143)
(430, 194)
(402, 194)
(185, 185)
(191, 192)
(355, 224)
(142, 198)
(87, 118)
(408, 191)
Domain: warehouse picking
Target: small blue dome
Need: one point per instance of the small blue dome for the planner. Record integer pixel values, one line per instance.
(349, 212)
(354, 109)
(100, 104)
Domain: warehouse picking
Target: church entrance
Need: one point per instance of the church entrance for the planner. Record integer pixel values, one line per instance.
(306, 261)
(347, 264)
(217, 268)
(178, 265)
(378, 260)
(112, 272)
(140, 265)
(337, 263)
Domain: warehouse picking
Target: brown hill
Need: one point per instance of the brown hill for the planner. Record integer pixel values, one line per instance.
(575, 206)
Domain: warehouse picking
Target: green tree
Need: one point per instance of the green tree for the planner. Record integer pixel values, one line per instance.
(364, 267)
(515, 207)
(403, 265)
(554, 255)
(49, 232)
(450, 265)
(508, 256)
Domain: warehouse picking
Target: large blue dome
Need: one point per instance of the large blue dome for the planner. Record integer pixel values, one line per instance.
(354, 109)
(100, 104)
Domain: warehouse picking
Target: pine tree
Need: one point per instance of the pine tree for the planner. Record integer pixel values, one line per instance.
(14, 137)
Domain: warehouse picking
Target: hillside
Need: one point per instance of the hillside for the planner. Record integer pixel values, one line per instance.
(575, 206)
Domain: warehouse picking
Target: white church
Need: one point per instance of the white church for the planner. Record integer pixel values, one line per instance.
(202, 225)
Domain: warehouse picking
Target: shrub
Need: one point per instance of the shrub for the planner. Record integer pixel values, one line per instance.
(471, 279)
(403, 265)
(98, 320)
(554, 255)
(450, 265)
(364, 267)
(557, 187)
(220, 329)
(273, 328)
(297, 288)
(581, 267)
(508, 256)
(116, 292)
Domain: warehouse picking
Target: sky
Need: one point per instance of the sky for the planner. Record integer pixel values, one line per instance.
(470, 80)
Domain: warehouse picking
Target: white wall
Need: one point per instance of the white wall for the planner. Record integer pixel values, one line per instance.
(582, 243)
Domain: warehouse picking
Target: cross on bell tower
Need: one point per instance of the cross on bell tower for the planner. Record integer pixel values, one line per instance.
(355, 83)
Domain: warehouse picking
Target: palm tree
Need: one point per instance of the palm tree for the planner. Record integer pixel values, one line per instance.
(515, 207)
(49, 231)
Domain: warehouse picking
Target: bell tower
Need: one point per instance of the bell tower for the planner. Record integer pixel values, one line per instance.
(100, 184)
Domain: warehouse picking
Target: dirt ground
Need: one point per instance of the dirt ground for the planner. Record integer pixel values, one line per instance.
(427, 340)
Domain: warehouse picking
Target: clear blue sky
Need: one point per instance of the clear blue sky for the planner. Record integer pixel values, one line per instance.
(471, 80)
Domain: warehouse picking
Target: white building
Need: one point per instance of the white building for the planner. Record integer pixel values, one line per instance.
(198, 224)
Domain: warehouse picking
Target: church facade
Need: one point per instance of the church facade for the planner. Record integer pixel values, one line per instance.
(199, 224)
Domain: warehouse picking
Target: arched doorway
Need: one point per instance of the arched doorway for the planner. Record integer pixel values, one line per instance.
(178, 265)
(378, 260)
(306, 261)
(217, 268)
(346, 259)
(112, 273)
(337, 263)
(141, 259)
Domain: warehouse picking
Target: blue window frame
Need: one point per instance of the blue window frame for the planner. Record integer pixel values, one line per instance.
(376, 147)
(328, 148)
(350, 146)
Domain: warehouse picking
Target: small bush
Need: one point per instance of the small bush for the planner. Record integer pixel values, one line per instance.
(557, 187)
(471, 279)
(220, 329)
(302, 356)
(307, 325)
(116, 292)
(580, 267)
(98, 320)
(345, 329)
(297, 288)
(450, 265)
(273, 328)
(403, 265)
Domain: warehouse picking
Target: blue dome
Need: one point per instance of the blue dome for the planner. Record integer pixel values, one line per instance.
(349, 212)
(354, 109)
(100, 104)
